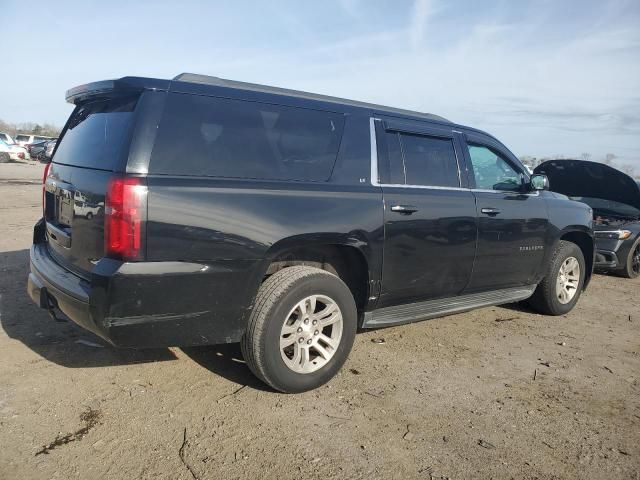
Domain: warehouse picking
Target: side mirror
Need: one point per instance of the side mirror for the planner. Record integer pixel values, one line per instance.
(539, 182)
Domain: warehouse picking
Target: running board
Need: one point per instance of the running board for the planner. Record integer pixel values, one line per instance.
(388, 316)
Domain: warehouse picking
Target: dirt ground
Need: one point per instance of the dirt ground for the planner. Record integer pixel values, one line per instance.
(494, 393)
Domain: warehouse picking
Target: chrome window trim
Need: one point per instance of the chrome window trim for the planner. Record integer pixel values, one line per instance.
(375, 178)
(482, 190)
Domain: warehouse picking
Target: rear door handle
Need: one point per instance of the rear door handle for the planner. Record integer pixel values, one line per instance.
(490, 211)
(404, 209)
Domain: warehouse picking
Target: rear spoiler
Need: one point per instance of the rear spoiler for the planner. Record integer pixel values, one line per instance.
(105, 88)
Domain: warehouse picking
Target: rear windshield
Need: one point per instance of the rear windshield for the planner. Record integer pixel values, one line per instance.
(22, 138)
(96, 133)
(240, 139)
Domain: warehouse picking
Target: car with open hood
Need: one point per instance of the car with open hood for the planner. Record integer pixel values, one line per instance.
(615, 199)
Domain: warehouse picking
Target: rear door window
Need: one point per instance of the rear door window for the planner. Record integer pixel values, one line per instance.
(429, 161)
(96, 134)
(219, 137)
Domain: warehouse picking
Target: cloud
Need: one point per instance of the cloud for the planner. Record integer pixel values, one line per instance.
(544, 77)
(419, 18)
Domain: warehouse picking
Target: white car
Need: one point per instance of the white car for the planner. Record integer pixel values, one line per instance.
(7, 138)
(23, 139)
(15, 152)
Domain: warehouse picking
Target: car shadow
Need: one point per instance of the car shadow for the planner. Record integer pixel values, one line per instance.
(226, 360)
(63, 343)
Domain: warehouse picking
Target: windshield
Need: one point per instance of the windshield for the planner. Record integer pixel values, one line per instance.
(609, 207)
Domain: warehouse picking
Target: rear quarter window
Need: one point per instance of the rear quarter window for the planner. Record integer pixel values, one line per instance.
(207, 136)
(96, 134)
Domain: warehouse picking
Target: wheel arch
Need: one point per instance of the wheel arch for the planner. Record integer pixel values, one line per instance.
(347, 257)
(583, 238)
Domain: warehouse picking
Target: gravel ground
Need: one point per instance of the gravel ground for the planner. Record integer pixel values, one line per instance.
(496, 393)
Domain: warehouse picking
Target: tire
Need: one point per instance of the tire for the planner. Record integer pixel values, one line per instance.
(278, 303)
(546, 299)
(632, 265)
(89, 215)
(4, 157)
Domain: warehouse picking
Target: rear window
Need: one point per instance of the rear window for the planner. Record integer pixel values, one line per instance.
(22, 138)
(239, 139)
(96, 133)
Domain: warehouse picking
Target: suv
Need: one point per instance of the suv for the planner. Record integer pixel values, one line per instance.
(24, 139)
(233, 212)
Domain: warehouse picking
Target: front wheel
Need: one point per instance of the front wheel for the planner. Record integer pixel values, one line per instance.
(631, 268)
(301, 329)
(560, 289)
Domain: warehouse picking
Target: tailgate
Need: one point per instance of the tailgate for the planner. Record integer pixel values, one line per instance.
(94, 145)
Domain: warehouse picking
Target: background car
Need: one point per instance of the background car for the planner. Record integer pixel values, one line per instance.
(14, 151)
(4, 152)
(37, 150)
(48, 151)
(23, 139)
(615, 199)
(7, 138)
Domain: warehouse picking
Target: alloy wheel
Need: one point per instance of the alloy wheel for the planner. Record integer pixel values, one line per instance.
(311, 334)
(568, 280)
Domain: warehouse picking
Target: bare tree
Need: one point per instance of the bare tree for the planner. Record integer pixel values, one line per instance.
(585, 156)
(32, 128)
(628, 169)
(609, 158)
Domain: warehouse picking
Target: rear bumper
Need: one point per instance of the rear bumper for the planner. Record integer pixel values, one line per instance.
(146, 304)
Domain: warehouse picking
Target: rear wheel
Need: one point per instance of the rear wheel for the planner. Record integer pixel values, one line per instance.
(632, 265)
(301, 329)
(4, 157)
(560, 289)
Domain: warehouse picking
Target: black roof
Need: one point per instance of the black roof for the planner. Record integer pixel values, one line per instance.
(253, 87)
(203, 84)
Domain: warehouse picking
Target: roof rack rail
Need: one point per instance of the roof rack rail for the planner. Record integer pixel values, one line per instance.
(222, 82)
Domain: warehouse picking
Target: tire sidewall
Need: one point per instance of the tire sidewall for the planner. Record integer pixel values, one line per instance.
(280, 374)
(568, 250)
(629, 267)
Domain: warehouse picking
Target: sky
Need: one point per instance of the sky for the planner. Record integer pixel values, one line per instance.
(546, 77)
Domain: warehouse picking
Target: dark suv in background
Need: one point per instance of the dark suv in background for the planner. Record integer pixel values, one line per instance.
(615, 199)
(233, 212)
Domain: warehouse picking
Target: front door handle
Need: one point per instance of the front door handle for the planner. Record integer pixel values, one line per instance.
(404, 209)
(492, 212)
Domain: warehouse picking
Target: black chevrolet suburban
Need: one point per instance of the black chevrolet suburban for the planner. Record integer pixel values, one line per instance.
(199, 210)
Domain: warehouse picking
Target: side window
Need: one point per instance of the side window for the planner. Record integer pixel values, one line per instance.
(389, 149)
(429, 161)
(491, 171)
(240, 139)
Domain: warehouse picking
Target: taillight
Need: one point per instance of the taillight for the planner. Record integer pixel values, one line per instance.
(44, 179)
(123, 217)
